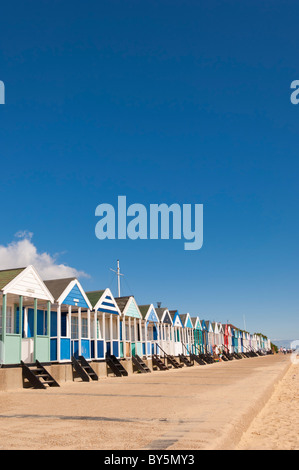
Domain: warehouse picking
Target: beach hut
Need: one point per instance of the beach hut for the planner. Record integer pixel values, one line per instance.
(197, 335)
(250, 339)
(229, 337)
(178, 327)
(166, 331)
(187, 332)
(205, 335)
(215, 336)
(70, 320)
(150, 330)
(243, 341)
(221, 335)
(231, 340)
(255, 342)
(247, 342)
(240, 341)
(235, 339)
(105, 324)
(225, 337)
(25, 305)
(218, 337)
(131, 340)
(210, 336)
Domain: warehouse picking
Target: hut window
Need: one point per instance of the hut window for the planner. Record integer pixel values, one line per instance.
(74, 328)
(9, 320)
(84, 328)
(150, 332)
(99, 329)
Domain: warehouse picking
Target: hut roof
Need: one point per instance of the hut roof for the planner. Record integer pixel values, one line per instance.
(94, 296)
(144, 309)
(7, 275)
(122, 302)
(58, 286)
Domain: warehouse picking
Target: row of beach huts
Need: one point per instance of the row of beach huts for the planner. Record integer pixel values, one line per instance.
(57, 322)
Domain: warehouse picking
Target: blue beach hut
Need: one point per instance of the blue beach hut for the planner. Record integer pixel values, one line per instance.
(105, 324)
(165, 331)
(130, 327)
(178, 328)
(150, 331)
(187, 332)
(25, 304)
(205, 335)
(70, 320)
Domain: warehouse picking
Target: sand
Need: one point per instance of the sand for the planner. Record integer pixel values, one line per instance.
(201, 407)
(276, 427)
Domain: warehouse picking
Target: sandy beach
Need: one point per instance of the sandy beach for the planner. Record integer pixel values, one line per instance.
(276, 427)
(201, 407)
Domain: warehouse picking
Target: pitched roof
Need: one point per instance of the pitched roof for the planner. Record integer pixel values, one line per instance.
(175, 313)
(160, 312)
(7, 275)
(172, 313)
(94, 296)
(143, 309)
(183, 317)
(57, 286)
(122, 302)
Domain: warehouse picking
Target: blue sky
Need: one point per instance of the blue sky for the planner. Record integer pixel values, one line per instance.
(169, 101)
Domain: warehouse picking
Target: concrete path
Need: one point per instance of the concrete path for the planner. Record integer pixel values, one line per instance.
(202, 407)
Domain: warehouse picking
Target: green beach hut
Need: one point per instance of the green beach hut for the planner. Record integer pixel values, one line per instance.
(25, 305)
(130, 327)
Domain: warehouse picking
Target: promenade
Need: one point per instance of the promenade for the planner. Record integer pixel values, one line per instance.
(201, 407)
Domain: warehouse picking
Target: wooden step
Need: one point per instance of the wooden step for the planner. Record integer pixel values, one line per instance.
(174, 362)
(37, 376)
(160, 364)
(185, 360)
(87, 368)
(115, 365)
(141, 366)
(198, 360)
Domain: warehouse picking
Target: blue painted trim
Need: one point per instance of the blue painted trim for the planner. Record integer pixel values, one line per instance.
(75, 293)
(85, 348)
(105, 310)
(115, 349)
(100, 347)
(65, 348)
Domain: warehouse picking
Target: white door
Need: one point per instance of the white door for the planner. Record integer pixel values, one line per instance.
(27, 350)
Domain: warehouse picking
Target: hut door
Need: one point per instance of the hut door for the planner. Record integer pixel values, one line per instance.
(28, 339)
(27, 350)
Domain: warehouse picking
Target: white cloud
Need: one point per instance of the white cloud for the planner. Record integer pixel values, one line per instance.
(21, 253)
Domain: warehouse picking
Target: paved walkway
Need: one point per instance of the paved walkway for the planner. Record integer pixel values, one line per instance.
(202, 407)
